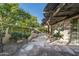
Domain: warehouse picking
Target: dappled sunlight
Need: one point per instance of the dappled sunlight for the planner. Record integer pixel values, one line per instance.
(22, 34)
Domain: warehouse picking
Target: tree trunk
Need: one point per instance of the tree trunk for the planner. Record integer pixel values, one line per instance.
(6, 36)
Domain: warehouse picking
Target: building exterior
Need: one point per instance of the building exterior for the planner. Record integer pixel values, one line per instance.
(62, 20)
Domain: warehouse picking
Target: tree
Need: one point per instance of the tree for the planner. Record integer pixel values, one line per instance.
(15, 19)
(10, 14)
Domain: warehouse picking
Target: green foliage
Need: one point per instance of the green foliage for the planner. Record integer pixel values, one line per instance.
(58, 35)
(17, 20)
(11, 15)
(26, 35)
(18, 35)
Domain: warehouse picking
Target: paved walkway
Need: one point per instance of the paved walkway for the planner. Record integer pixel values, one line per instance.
(40, 47)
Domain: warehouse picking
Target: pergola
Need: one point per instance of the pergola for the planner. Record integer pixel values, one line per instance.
(57, 12)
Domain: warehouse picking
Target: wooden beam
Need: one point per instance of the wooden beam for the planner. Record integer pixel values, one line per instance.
(46, 12)
(74, 17)
(59, 8)
(66, 13)
(53, 21)
(57, 18)
(57, 11)
(65, 18)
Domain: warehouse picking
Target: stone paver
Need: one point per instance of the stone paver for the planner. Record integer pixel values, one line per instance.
(40, 47)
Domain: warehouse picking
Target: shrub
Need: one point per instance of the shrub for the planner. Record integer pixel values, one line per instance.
(19, 35)
(26, 35)
(58, 34)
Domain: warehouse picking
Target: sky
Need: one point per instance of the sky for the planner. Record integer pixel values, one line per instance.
(35, 9)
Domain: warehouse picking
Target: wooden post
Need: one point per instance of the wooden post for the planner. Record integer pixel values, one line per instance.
(48, 28)
(51, 30)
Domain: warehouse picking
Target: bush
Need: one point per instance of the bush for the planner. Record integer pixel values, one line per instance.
(26, 35)
(2, 34)
(58, 35)
(18, 35)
